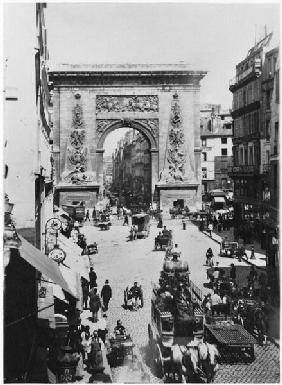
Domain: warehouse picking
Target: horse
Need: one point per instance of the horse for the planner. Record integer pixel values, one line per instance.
(208, 356)
(190, 366)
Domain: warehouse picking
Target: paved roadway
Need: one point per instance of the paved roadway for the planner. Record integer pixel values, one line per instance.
(123, 262)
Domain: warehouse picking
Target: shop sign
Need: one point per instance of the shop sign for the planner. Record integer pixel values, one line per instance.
(57, 254)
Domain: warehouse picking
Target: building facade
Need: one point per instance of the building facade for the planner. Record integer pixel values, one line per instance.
(131, 177)
(108, 171)
(255, 145)
(216, 137)
(27, 120)
(251, 143)
(28, 188)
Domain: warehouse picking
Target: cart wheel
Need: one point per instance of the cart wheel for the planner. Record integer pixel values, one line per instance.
(125, 299)
(159, 362)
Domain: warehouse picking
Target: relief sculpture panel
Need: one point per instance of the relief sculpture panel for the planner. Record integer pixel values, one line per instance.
(76, 170)
(134, 103)
(174, 170)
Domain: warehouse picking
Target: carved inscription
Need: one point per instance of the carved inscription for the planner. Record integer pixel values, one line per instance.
(134, 103)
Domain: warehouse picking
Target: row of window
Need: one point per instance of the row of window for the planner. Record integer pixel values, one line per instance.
(246, 95)
(204, 141)
(223, 153)
(246, 124)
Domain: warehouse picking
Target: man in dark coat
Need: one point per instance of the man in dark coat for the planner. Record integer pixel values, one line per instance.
(92, 278)
(106, 294)
(233, 272)
(95, 303)
(85, 292)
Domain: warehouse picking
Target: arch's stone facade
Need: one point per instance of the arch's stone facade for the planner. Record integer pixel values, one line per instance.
(160, 101)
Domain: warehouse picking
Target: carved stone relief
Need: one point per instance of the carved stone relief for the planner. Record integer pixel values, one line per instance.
(76, 172)
(151, 124)
(103, 124)
(175, 155)
(132, 103)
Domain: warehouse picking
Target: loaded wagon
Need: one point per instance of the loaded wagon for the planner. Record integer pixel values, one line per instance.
(233, 341)
(76, 212)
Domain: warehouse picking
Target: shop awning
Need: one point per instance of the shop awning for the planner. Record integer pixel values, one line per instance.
(219, 199)
(42, 263)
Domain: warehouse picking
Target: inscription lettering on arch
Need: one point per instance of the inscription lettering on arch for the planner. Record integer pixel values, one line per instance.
(133, 103)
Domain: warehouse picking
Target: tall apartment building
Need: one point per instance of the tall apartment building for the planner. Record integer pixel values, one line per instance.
(108, 170)
(216, 137)
(29, 191)
(27, 120)
(255, 142)
(132, 168)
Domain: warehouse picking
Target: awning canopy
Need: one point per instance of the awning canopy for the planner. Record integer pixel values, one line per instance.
(43, 264)
(219, 200)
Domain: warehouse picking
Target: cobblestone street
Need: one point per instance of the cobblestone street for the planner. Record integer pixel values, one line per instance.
(123, 262)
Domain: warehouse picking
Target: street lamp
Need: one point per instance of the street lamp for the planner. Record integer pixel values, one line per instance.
(52, 227)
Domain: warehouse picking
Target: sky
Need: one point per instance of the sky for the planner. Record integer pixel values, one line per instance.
(212, 37)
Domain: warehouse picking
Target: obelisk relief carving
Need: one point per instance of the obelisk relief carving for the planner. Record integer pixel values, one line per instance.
(174, 170)
(76, 165)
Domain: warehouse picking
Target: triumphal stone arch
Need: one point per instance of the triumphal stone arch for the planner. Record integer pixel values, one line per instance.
(160, 101)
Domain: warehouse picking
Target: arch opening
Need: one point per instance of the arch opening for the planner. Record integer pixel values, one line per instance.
(125, 150)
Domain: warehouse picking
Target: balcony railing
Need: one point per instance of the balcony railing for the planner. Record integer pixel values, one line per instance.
(243, 169)
(254, 69)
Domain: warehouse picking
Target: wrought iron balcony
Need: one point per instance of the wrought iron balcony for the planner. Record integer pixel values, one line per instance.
(254, 70)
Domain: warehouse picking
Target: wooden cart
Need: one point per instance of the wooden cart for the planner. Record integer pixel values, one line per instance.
(233, 341)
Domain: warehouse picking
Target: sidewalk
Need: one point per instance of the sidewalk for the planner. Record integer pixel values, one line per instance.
(260, 263)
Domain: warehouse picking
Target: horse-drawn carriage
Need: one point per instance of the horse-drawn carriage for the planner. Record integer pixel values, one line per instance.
(176, 320)
(162, 241)
(174, 325)
(104, 222)
(232, 250)
(120, 349)
(142, 224)
(133, 298)
(175, 211)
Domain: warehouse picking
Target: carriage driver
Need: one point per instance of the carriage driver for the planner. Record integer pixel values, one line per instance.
(136, 292)
(120, 329)
(166, 233)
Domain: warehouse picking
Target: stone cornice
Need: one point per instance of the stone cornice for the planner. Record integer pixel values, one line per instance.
(169, 74)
